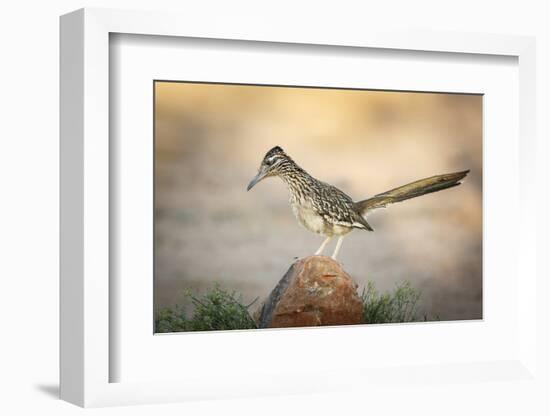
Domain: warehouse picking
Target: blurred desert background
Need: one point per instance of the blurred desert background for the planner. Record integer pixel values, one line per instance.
(210, 139)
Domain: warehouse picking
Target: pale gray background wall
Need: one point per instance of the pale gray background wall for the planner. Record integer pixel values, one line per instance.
(29, 208)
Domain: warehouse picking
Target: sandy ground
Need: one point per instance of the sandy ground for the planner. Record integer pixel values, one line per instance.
(210, 139)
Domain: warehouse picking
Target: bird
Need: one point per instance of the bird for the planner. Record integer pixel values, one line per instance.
(326, 210)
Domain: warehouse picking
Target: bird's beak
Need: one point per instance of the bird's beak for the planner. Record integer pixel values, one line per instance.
(261, 174)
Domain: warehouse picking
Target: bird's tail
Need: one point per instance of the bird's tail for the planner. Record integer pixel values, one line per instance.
(411, 190)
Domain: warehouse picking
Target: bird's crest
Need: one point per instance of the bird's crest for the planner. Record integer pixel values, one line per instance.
(275, 154)
(277, 150)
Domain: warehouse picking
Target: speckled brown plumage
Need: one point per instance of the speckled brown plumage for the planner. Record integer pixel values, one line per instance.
(325, 209)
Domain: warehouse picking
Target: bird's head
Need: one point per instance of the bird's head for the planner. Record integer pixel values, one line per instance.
(273, 163)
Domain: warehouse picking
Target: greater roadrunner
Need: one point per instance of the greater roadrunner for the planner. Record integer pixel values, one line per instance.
(326, 210)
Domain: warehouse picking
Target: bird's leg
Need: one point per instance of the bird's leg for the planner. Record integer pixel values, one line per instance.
(337, 248)
(318, 252)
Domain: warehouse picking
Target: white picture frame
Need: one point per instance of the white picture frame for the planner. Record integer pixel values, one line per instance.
(86, 356)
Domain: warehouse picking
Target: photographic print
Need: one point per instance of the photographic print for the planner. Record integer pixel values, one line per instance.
(287, 206)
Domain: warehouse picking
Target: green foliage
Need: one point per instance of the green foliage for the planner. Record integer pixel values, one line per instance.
(390, 307)
(171, 320)
(218, 309)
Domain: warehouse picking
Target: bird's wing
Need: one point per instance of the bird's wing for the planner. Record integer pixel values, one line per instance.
(341, 210)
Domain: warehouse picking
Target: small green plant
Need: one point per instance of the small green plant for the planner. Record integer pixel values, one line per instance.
(171, 320)
(218, 309)
(397, 306)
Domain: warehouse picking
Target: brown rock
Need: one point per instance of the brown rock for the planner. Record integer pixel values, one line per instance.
(315, 291)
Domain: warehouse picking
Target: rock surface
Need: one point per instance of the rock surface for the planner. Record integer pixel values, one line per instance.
(315, 291)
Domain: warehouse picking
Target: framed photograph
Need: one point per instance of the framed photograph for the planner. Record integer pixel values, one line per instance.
(269, 204)
(216, 254)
